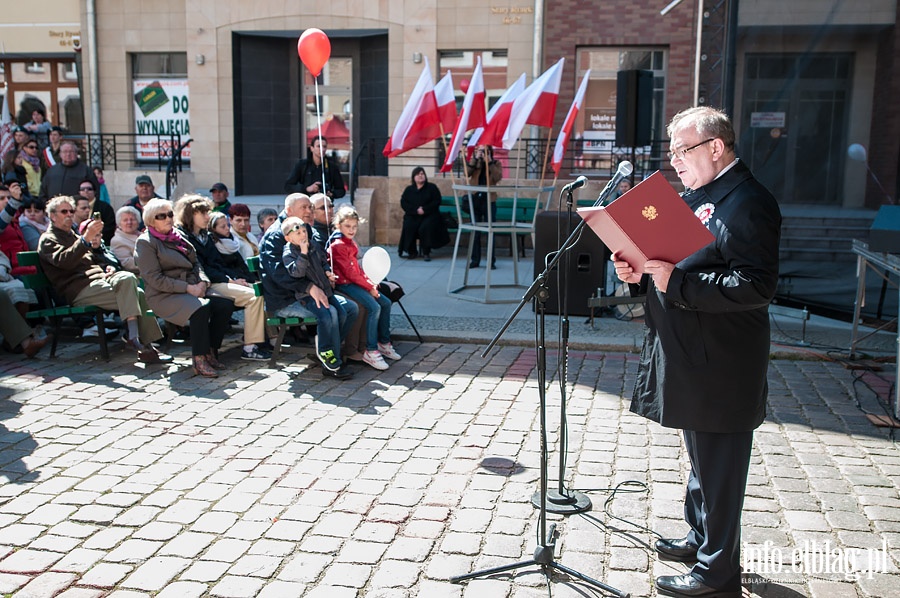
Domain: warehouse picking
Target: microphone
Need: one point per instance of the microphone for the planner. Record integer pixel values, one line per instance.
(622, 172)
(576, 184)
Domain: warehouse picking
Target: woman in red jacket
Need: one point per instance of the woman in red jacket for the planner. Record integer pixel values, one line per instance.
(350, 280)
(11, 239)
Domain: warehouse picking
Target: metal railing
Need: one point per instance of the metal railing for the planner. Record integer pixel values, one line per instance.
(598, 160)
(121, 151)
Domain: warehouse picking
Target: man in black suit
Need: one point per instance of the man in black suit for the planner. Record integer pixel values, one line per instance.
(705, 356)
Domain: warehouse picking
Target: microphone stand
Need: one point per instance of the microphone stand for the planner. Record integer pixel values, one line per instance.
(544, 553)
(561, 500)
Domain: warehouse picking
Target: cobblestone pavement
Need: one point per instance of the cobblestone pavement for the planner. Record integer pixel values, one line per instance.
(119, 480)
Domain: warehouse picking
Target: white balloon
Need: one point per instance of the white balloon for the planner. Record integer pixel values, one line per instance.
(857, 152)
(376, 263)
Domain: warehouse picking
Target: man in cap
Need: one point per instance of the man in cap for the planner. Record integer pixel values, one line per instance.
(20, 136)
(219, 194)
(145, 191)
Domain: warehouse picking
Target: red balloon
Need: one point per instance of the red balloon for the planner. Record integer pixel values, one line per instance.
(314, 49)
(464, 85)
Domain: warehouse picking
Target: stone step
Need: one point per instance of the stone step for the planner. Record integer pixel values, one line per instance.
(808, 254)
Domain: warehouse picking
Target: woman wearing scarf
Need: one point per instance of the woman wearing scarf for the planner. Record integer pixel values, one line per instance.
(31, 162)
(175, 286)
(228, 244)
(33, 221)
(194, 219)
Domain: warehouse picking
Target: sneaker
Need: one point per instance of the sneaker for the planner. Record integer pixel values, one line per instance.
(256, 354)
(387, 350)
(91, 332)
(374, 359)
(328, 360)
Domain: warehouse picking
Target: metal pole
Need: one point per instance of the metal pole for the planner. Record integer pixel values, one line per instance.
(94, 62)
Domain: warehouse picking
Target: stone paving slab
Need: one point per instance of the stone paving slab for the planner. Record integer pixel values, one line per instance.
(123, 480)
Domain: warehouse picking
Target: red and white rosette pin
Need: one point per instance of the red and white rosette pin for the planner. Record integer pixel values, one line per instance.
(705, 212)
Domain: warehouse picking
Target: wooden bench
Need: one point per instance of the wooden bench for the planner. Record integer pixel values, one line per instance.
(39, 283)
(280, 325)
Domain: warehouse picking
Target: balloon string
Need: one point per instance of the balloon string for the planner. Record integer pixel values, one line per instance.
(322, 157)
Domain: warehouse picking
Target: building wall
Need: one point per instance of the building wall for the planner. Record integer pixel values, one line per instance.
(816, 12)
(575, 23)
(205, 27)
(53, 28)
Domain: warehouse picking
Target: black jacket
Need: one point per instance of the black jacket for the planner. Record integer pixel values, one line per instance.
(704, 361)
(65, 180)
(279, 287)
(209, 257)
(108, 216)
(305, 173)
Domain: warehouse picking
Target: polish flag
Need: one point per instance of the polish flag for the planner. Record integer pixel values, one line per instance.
(446, 102)
(7, 142)
(536, 105)
(471, 116)
(563, 140)
(419, 122)
(497, 119)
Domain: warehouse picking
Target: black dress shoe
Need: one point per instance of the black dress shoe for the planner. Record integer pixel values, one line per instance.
(688, 586)
(341, 374)
(671, 549)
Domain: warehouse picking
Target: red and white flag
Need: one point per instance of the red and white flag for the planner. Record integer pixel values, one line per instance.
(7, 141)
(446, 102)
(419, 122)
(497, 119)
(536, 105)
(471, 116)
(563, 140)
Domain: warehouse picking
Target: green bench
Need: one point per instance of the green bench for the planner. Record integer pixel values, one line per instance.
(280, 325)
(40, 284)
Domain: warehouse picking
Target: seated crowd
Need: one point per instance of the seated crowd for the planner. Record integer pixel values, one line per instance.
(185, 264)
(153, 261)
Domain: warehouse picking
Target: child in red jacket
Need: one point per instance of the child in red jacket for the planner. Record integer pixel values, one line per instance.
(353, 282)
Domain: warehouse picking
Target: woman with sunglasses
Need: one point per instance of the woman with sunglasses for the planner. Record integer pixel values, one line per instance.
(31, 162)
(175, 286)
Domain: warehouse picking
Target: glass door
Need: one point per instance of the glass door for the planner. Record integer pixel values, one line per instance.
(335, 110)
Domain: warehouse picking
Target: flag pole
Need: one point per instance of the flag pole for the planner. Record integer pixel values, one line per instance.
(546, 155)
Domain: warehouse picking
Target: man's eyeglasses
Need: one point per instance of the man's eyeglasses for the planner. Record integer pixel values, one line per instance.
(164, 216)
(65, 211)
(30, 147)
(85, 188)
(679, 153)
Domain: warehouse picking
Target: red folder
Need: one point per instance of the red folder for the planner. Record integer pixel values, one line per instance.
(649, 222)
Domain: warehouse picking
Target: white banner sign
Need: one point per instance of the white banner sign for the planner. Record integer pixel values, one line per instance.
(767, 120)
(161, 107)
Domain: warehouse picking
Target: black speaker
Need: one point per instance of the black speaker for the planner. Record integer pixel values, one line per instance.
(587, 261)
(634, 108)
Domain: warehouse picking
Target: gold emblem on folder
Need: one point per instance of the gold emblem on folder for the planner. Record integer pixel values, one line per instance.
(649, 213)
